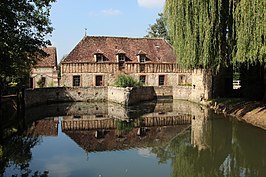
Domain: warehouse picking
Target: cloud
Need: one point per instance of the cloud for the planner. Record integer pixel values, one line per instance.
(151, 3)
(111, 12)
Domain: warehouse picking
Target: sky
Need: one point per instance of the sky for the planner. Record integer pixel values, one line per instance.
(125, 18)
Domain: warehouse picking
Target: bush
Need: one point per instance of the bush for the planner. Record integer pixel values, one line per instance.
(123, 80)
(40, 83)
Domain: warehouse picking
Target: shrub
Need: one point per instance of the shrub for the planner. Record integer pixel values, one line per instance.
(123, 80)
(40, 83)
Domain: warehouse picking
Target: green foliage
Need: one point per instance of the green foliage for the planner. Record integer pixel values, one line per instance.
(125, 126)
(158, 29)
(236, 76)
(40, 83)
(24, 25)
(250, 30)
(123, 80)
(216, 33)
(16, 149)
(188, 84)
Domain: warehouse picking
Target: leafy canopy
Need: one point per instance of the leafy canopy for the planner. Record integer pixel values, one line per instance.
(24, 25)
(217, 33)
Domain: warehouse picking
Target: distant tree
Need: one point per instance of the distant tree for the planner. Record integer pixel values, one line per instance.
(158, 29)
(24, 24)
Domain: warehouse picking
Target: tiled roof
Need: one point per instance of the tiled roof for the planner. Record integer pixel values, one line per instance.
(50, 60)
(46, 127)
(87, 141)
(156, 50)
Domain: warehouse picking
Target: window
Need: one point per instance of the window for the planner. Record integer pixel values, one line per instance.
(76, 81)
(182, 80)
(142, 58)
(99, 81)
(99, 58)
(161, 79)
(142, 79)
(76, 117)
(43, 82)
(121, 57)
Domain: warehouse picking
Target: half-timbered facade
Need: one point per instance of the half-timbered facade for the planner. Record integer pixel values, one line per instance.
(96, 61)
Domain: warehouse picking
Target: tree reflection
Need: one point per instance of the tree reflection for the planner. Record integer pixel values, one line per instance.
(230, 150)
(16, 152)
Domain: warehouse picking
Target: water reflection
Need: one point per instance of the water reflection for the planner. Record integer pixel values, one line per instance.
(151, 139)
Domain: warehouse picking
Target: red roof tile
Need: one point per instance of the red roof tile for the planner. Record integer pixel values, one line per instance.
(156, 50)
(50, 60)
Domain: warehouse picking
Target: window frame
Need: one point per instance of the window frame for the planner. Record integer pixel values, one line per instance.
(99, 58)
(142, 58)
(182, 79)
(121, 57)
(76, 79)
(96, 80)
(142, 79)
(160, 81)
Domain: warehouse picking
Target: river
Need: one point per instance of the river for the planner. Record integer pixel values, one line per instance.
(155, 139)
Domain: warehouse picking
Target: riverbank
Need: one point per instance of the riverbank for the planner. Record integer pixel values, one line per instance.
(252, 112)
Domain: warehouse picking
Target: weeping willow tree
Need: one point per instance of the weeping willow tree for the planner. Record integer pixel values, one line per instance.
(217, 33)
(250, 29)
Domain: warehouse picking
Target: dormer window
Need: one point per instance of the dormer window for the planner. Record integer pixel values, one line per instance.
(121, 57)
(99, 58)
(142, 58)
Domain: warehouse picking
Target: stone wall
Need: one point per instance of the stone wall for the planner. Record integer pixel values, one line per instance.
(182, 92)
(201, 86)
(141, 94)
(61, 94)
(164, 92)
(129, 95)
(124, 96)
(198, 92)
(87, 79)
(119, 95)
(108, 79)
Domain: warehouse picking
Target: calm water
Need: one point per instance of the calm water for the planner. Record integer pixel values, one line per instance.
(150, 140)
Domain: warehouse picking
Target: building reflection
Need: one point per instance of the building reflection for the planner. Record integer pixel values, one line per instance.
(45, 127)
(195, 140)
(114, 128)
